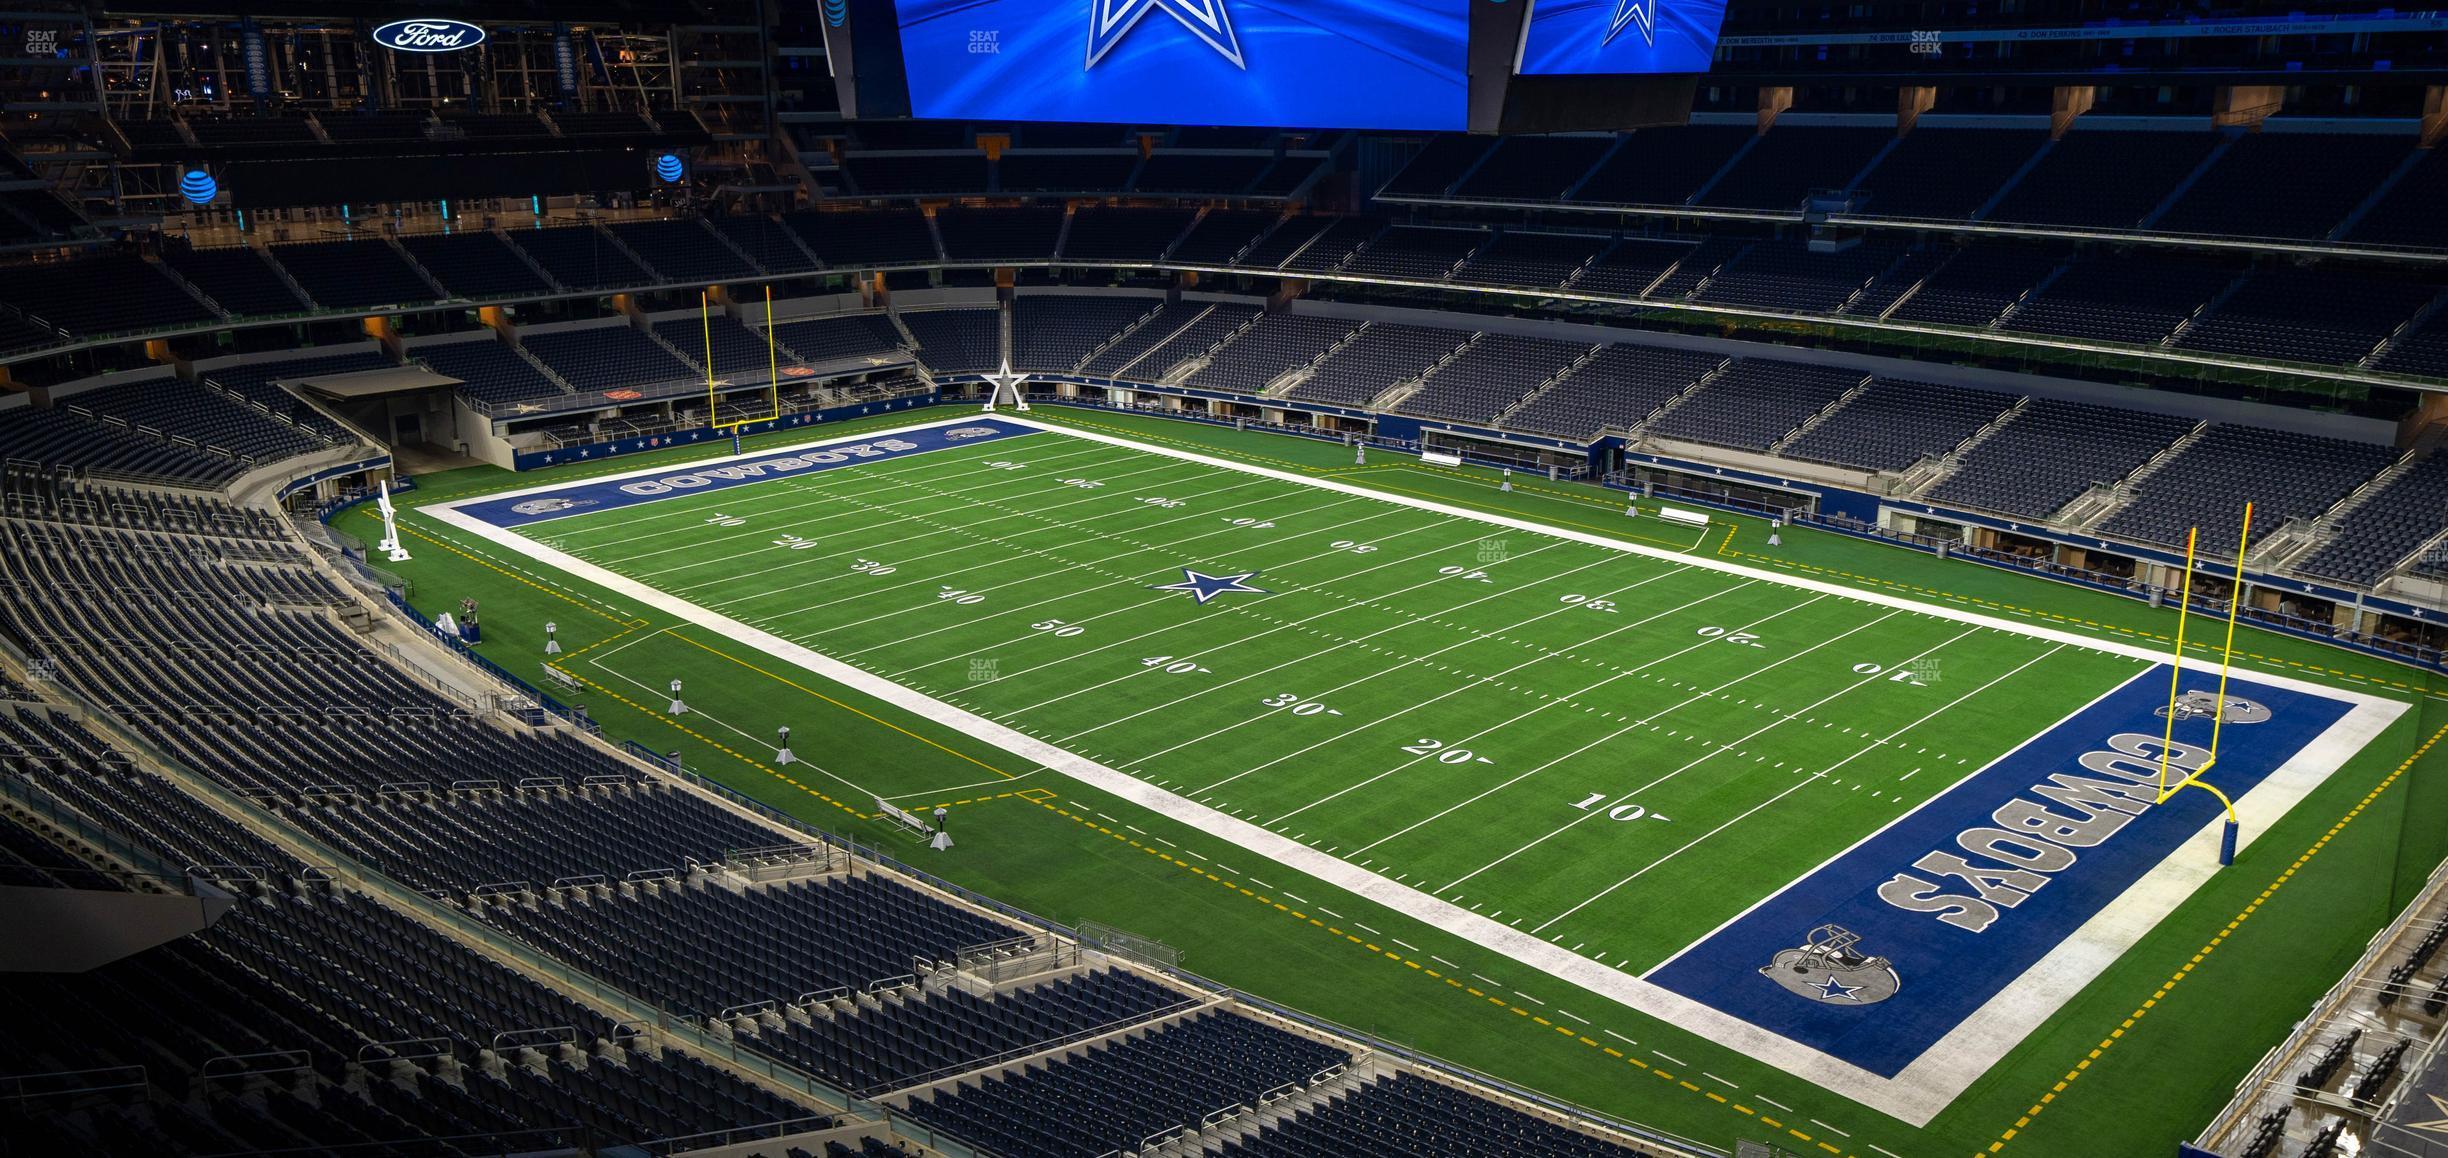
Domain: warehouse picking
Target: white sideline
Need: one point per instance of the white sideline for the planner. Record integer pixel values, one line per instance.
(1915, 1095)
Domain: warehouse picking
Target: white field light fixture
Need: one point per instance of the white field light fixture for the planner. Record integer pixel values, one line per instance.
(390, 545)
(1003, 380)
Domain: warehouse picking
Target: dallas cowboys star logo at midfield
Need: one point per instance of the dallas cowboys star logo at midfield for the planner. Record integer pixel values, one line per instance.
(1207, 587)
(1110, 20)
(1629, 13)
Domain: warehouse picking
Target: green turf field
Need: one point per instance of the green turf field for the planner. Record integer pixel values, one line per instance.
(1575, 741)
(1612, 751)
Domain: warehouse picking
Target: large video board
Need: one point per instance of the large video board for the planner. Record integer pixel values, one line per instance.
(1620, 37)
(1358, 64)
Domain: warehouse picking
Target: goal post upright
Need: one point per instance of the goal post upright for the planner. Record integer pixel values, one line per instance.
(2184, 608)
(2218, 703)
(773, 362)
(773, 358)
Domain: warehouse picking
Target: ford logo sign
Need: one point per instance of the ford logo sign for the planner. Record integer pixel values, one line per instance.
(428, 35)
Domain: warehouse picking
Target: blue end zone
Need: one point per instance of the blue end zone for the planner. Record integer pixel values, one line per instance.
(648, 486)
(1972, 889)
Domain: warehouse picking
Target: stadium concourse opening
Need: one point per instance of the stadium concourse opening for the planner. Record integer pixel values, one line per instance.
(892, 577)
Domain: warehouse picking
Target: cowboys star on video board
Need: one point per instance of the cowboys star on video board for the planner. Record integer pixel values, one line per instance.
(1620, 37)
(1362, 64)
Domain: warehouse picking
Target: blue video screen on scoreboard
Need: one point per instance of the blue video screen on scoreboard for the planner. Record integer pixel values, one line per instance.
(1620, 37)
(1351, 64)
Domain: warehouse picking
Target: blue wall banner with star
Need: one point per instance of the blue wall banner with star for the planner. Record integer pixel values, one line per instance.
(1620, 37)
(1350, 64)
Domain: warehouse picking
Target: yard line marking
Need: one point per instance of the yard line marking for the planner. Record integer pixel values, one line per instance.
(1710, 755)
(1640, 723)
(1729, 1085)
(1208, 651)
(1824, 1126)
(1800, 784)
(756, 505)
(1776, 1103)
(683, 509)
(1093, 566)
(795, 559)
(1147, 601)
(1670, 1057)
(900, 511)
(1218, 610)
(1476, 636)
(1415, 760)
(1616, 733)
(1221, 610)
(826, 490)
(935, 577)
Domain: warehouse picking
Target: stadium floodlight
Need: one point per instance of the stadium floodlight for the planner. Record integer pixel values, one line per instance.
(390, 545)
(783, 753)
(1002, 380)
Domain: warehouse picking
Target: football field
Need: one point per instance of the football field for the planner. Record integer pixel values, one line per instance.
(1619, 761)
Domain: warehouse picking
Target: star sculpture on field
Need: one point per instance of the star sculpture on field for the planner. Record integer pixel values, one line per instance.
(1110, 20)
(1003, 381)
(2438, 1125)
(1206, 587)
(1629, 13)
(1834, 990)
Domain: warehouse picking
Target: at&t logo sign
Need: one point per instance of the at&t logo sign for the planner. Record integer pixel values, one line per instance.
(428, 35)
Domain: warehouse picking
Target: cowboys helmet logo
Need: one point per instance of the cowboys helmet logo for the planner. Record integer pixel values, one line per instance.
(549, 506)
(966, 432)
(2205, 705)
(1825, 969)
